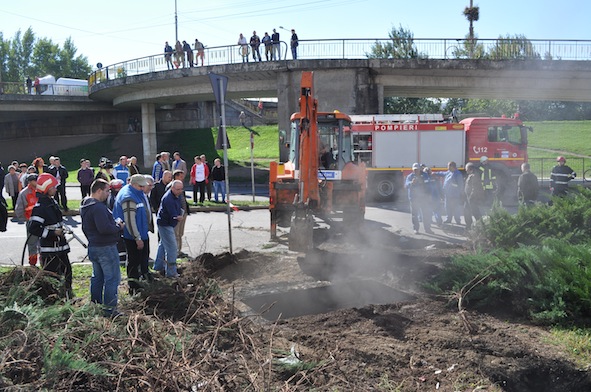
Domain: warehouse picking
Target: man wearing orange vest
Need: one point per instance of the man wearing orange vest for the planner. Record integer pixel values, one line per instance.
(27, 198)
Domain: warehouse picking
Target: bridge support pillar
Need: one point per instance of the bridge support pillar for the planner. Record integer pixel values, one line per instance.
(149, 133)
(351, 91)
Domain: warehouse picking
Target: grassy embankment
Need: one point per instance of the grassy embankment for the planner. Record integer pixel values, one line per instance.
(553, 138)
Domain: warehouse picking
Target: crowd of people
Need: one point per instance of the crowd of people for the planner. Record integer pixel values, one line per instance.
(119, 207)
(183, 55)
(483, 184)
(271, 43)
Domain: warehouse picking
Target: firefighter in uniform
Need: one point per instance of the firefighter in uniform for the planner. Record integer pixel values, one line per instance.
(561, 175)
(46, 223)
(488, 177)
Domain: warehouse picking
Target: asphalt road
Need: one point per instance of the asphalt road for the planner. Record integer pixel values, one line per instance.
(209, 231)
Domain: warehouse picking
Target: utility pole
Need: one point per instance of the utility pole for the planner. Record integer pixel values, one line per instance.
(176, 24)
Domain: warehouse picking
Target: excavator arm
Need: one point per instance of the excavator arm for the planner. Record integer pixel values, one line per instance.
(308, 197)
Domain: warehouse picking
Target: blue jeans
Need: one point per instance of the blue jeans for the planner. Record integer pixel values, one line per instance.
(219, 186)
(167, 251)
(106, 275)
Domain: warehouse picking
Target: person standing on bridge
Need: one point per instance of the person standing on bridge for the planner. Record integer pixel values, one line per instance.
(200, 48)
(168, 55)
(188, 53)
(243, 48)
(179, 55)
(294, 43)
(276, 45)
(255, 42)
(29, 85)
(268, 46)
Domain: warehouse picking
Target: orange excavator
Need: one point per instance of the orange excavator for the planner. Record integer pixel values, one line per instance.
(320, 178)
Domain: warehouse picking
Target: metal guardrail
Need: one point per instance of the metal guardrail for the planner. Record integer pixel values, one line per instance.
(55, 89)
(542, 167)
(361, 48)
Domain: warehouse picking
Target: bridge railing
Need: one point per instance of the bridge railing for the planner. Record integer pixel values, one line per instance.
(45, 89)
(353, 48)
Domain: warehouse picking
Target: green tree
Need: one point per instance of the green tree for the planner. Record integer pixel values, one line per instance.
(402, 46)
(470, 48)
(72, 66)
(403, 105)
(4, 48)
(490, 107)
(513, 47)
(46, 58)
(26, 56)
(13, 64)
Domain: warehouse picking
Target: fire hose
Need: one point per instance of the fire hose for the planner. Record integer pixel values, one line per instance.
(66, 230)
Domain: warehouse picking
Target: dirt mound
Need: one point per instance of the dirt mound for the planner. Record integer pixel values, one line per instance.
(196, 333)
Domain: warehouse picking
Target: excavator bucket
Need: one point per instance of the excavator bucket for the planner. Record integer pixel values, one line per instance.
(301, 231)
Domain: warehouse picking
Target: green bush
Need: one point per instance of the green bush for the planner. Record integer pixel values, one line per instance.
(550, 283)
(536, 262)
(568, 218)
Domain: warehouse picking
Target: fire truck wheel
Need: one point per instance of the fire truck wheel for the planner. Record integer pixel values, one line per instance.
(384, 188)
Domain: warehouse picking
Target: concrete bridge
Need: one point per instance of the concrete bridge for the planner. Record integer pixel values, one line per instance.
(351, 86)
(354, 86)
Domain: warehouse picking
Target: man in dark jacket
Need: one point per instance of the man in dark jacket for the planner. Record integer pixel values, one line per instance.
(46, 223)
(60, 173)
(527, 186)
(169, 214)
(103, 234)
(159, 190)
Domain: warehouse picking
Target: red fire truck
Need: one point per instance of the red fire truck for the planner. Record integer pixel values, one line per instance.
(389, 144)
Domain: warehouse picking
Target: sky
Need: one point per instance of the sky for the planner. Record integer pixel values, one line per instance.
(112, 31)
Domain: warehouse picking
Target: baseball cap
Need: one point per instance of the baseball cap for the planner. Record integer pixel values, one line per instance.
(138, 179)
(416, 166)
(560, 158)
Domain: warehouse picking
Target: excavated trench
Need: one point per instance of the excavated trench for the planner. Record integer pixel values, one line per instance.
(317, 300)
